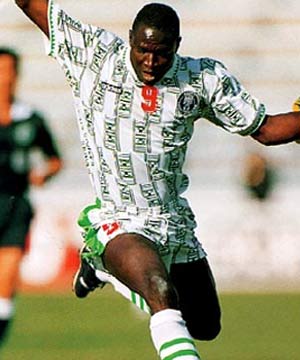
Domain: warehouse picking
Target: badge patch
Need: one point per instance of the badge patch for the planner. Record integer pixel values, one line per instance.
(187, 102)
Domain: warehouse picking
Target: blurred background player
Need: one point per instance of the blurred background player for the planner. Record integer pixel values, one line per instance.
(22, 130)
(258, 176)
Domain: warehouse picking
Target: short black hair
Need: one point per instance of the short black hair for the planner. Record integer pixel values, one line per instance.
(4, 50)
(159, 16)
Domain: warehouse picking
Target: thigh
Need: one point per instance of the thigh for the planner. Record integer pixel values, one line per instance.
(134, 260)
(198, 299)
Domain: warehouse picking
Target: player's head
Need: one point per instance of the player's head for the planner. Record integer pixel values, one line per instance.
(159, 16)
(154, 40)
(9, 67)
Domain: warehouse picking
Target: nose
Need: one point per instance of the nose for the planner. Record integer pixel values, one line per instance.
(149, 60)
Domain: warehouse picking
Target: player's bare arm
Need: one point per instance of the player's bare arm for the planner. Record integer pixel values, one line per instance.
(37, 11)
(52, 167)
(279, 129)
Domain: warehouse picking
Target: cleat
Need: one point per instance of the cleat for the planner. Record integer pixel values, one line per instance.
(85, 279)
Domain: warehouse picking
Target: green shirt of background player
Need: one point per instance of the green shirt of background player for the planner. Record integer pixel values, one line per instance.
(21, 130)
(132, 258)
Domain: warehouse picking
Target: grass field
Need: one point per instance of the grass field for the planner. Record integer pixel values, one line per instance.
(106, 327)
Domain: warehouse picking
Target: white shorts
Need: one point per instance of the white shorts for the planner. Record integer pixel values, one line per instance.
(171, 228)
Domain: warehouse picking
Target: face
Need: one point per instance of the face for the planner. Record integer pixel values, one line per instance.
(8, 76)
(152, 53)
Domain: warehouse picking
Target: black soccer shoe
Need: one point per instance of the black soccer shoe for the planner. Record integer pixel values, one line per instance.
(85, 279)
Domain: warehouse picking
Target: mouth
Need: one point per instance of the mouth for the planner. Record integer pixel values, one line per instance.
(148, 76)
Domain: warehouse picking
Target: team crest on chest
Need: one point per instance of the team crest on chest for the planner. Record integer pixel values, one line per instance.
(187, 102)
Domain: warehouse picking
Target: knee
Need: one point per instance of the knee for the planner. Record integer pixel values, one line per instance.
(205, 333)
(160, 293)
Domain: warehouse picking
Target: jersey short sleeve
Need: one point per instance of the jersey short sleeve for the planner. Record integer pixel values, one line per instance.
(229, 105)
(66, 36)
(76, 46)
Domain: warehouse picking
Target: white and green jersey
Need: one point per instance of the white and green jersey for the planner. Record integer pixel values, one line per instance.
(135, 137)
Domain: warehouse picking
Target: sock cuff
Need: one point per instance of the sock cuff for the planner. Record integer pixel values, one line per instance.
(171, 337)
(7, 308)
(166, 315)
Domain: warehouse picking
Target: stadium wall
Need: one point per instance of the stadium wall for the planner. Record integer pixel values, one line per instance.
(250, 246)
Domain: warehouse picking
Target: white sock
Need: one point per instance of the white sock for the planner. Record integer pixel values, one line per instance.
(6, 308)
(132, 296)
(171, 337)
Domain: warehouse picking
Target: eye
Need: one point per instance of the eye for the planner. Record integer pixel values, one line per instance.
(164, 53)
(141, 50)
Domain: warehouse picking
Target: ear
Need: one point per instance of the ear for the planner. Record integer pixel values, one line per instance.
(178, 41)
(130, 37)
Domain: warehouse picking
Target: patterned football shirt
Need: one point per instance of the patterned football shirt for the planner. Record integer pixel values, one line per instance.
(135, 137)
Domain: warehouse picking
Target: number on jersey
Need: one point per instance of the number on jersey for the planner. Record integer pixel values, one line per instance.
(149, 94)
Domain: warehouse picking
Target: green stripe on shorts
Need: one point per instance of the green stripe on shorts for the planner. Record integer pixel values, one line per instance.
(89, 233)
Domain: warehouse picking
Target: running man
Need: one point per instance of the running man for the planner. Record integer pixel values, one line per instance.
(136, 105)
(22, 130)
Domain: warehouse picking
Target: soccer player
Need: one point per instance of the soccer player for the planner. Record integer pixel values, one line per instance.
(136, 105)
(258, 176)
(22, 129)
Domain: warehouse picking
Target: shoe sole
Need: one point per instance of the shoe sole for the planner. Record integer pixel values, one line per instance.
(76, 277)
